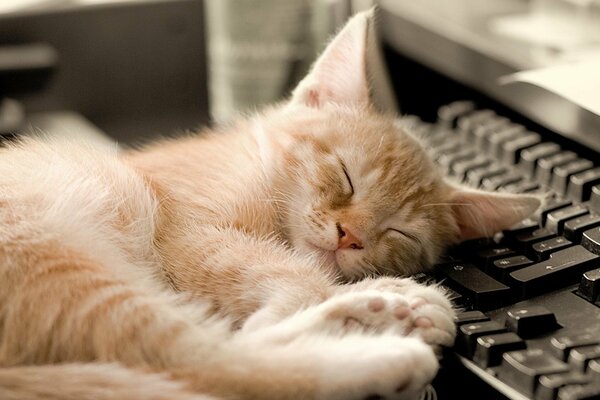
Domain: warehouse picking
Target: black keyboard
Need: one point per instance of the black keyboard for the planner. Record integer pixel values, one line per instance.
(530, 328)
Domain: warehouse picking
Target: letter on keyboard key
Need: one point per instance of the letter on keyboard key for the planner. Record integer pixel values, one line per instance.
(574, 228)
(531, 321)
(521, 369)
(484, 292)
(542, 250)
(563, 268)
(501, 268)
(466, 339)
(490, 348)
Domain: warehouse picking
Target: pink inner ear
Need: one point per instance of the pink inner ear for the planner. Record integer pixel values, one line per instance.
(339, 75)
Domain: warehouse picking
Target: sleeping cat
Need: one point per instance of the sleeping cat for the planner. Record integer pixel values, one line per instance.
(243, 263)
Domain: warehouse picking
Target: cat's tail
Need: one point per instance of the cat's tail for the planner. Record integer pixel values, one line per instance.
(89, 382)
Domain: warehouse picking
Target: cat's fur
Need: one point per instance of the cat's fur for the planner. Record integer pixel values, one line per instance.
(116, 269)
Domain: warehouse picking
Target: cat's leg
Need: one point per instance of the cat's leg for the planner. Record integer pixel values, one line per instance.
(60, 306)
(241, 275)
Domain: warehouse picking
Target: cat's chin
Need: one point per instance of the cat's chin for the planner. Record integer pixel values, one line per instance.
(327, 256)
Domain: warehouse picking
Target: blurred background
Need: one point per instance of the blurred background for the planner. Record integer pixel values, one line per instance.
(137, 69)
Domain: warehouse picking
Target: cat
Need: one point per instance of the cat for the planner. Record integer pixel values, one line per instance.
(258, 260)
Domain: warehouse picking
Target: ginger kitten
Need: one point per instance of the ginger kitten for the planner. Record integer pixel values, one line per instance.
(230, 265)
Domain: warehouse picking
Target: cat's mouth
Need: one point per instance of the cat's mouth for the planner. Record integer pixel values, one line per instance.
(329, 256)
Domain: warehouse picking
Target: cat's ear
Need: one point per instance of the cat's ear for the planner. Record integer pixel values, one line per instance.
(339, 74)
(481, 214)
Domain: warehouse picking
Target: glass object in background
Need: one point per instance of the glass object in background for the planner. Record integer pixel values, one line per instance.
(259, 49)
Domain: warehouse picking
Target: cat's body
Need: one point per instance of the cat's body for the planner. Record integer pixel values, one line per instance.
(134, 258)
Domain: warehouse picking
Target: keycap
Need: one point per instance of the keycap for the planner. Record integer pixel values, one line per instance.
(562, 345)
(562, 173)
(546, 165)
(563, 268)
(446, 161)
(476, 176)
(574, 228)
(524, 240)
(498, 139)
(521, 369)
(580, 357)
(466, 123)
(580, 185)
(542, 250)
(485, 129)
(555, 220)
(449, 114)
(498, 181)
(487, 256)
(490, 348)
(590, 391)
(595, 199)
(483, 291)
(531, 321)
(511, 150)
(549, 385)
(589, 287)
(468, 317)
(526, 225)
(467, 335)
(523, 186)
(551, 205)
(591, 240)
(501, 269)
(594, 368)
(530, 156)
(462, 167)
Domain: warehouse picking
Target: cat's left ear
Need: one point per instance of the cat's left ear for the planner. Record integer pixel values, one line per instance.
(339, 75)
(481, 214)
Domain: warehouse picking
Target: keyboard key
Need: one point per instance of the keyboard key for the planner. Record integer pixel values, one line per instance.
(591, 240)
(595, 199)
(502, 268)
(555, 220)
(563, 268)
(546, 165)
(580, 357)
(466, 123)
(549, 385)
(524, 240)
(449, 114)
(462, 167)
(484, 292)
(497, 140)
(446, 161)
(542, 250)
(594, 368)
(561, 174)
(530, 156)
(467, 335)
(485, 129)
(476, 176)
(590, 391)
(523, 186)
(580, 185)
(532, 321)
(574, 228)
(490, 348)
(550, 206)
(498, 181)
(487, 256)
(468, 317)
(511, 150)
(521, 369)
(562, 345)
(589, 287)
(527, 225)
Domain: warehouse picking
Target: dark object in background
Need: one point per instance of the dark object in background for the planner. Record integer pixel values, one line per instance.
(135, 69)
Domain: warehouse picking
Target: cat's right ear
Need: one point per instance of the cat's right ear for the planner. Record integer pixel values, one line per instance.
(339, 75)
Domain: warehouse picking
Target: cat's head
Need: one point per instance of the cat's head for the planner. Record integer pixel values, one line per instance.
(358, 190)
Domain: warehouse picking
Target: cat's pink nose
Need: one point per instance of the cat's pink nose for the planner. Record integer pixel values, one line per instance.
(347, 239)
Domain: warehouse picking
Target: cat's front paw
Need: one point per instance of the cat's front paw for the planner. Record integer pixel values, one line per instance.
(430, 311)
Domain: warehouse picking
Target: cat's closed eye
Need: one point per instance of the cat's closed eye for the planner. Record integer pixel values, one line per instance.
(350, 192)
(404, 234)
